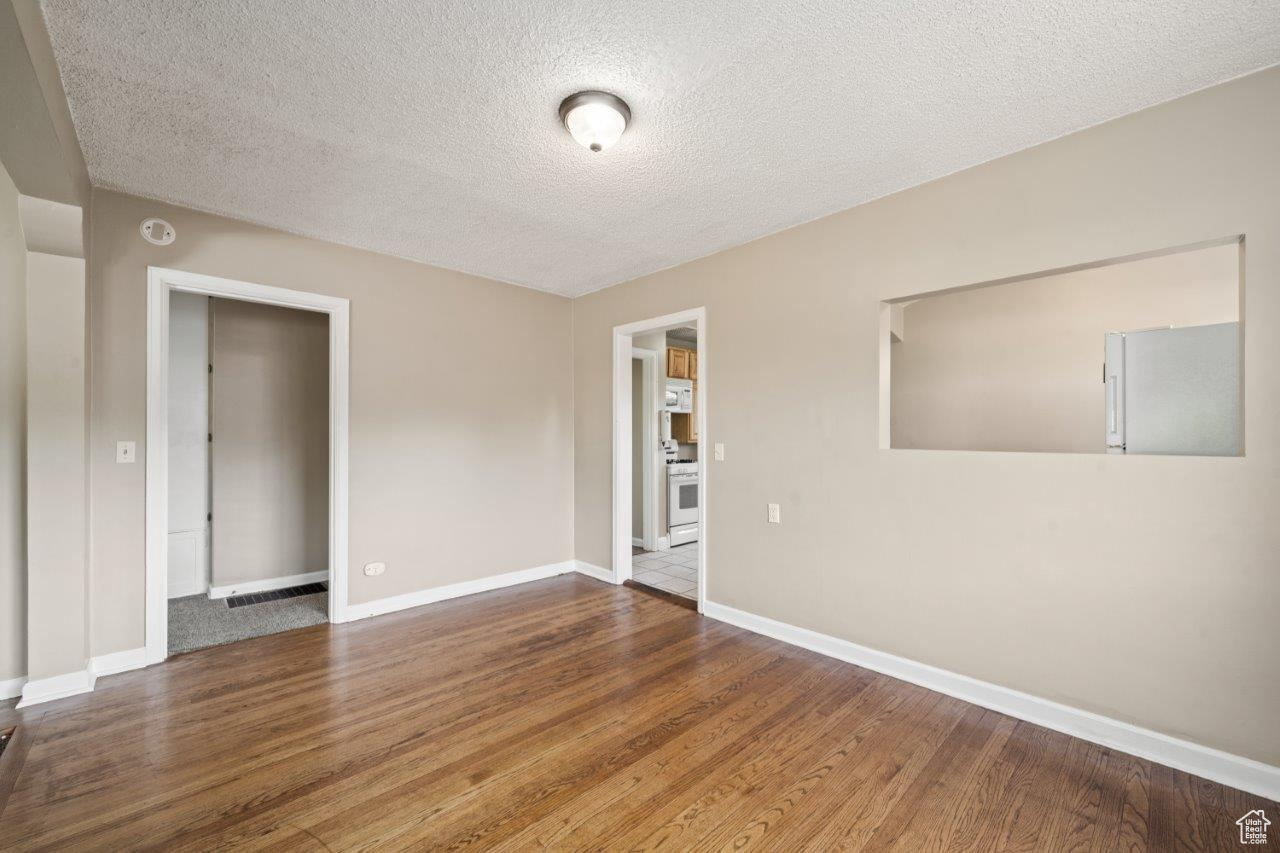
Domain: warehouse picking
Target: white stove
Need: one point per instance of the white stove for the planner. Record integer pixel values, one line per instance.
(683, 489)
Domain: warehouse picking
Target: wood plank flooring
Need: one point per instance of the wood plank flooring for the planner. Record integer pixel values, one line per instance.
(566, 714)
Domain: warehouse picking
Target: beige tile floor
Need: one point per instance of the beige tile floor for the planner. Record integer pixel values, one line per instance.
(674, 570)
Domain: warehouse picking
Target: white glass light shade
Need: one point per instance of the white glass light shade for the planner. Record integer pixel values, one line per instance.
(595, 119)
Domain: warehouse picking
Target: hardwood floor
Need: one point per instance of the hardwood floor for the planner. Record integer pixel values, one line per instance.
(569, 714)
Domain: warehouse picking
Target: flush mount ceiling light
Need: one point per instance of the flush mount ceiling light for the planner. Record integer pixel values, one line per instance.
(595, 119)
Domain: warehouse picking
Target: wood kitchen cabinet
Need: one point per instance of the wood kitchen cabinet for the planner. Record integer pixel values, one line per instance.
(682, 363)
(678, 363)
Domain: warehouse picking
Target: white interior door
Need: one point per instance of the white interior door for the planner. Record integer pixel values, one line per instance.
(188, 444)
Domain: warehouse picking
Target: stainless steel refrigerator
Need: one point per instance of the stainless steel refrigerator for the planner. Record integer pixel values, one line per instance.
(1174, 391)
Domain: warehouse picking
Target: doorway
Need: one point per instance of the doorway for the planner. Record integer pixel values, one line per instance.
(659, 473)
(323, 476)
(248, 470)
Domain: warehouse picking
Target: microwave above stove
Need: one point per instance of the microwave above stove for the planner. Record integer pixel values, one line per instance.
(679, 397)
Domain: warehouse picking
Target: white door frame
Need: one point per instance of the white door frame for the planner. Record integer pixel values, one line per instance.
(649, 441)
(622, 337)
(160, 282)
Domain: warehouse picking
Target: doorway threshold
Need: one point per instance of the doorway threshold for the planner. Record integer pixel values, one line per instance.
(671, 597)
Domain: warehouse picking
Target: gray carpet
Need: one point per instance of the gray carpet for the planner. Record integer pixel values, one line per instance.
(195, 622)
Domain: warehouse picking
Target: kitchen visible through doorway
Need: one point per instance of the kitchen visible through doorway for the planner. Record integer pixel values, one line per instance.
(666, 475)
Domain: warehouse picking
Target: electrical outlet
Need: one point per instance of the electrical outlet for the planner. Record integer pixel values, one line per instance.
(126, 452)
(775, 514)
(719, 452)
(371, 569)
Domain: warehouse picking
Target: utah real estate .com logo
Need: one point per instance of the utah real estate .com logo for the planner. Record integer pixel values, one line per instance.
(1253, 827)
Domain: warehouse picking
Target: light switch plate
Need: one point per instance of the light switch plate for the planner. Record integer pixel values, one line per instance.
(775, 514)
(371, 569)
(719, 451)
(126, 452)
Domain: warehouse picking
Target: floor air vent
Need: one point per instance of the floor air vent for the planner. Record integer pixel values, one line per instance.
(276, 594)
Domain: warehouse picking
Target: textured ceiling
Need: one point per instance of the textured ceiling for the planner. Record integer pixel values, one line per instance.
(428, 129)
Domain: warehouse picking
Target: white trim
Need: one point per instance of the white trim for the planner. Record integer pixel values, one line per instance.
(666, 321)
(593, 571)
(704, 460)
(637, 542)
(266, 584)
(1232, 770)
(74, 683)
(621, 394)
(649, 450)
(159, 283)
(118, 662)
(11, 687)
(455, 590)
(56, 687)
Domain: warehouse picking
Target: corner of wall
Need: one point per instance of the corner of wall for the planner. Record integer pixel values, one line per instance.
(13, 440)
(573, 428)
(35, 35)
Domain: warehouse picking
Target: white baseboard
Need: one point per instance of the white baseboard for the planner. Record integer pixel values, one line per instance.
(664, 543)
(56, 687)
(12, 687)
(73, 683)
(592, 571)
(637, 542)
(1231, 770)
(266, 585)
(118, 662)
(456, 590)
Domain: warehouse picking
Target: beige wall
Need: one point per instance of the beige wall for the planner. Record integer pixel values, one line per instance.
(13, 435)
(269, 403)
(461, 407)
(37, 140)
(1018, 366)
(57, 580)
(1142, 588)
(42, 157)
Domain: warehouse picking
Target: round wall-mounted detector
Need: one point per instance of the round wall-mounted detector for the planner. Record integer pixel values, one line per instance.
(157, 232)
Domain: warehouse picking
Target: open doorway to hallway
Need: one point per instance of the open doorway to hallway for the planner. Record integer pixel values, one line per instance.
(248, 498)
(162, 284)
(660, 490)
